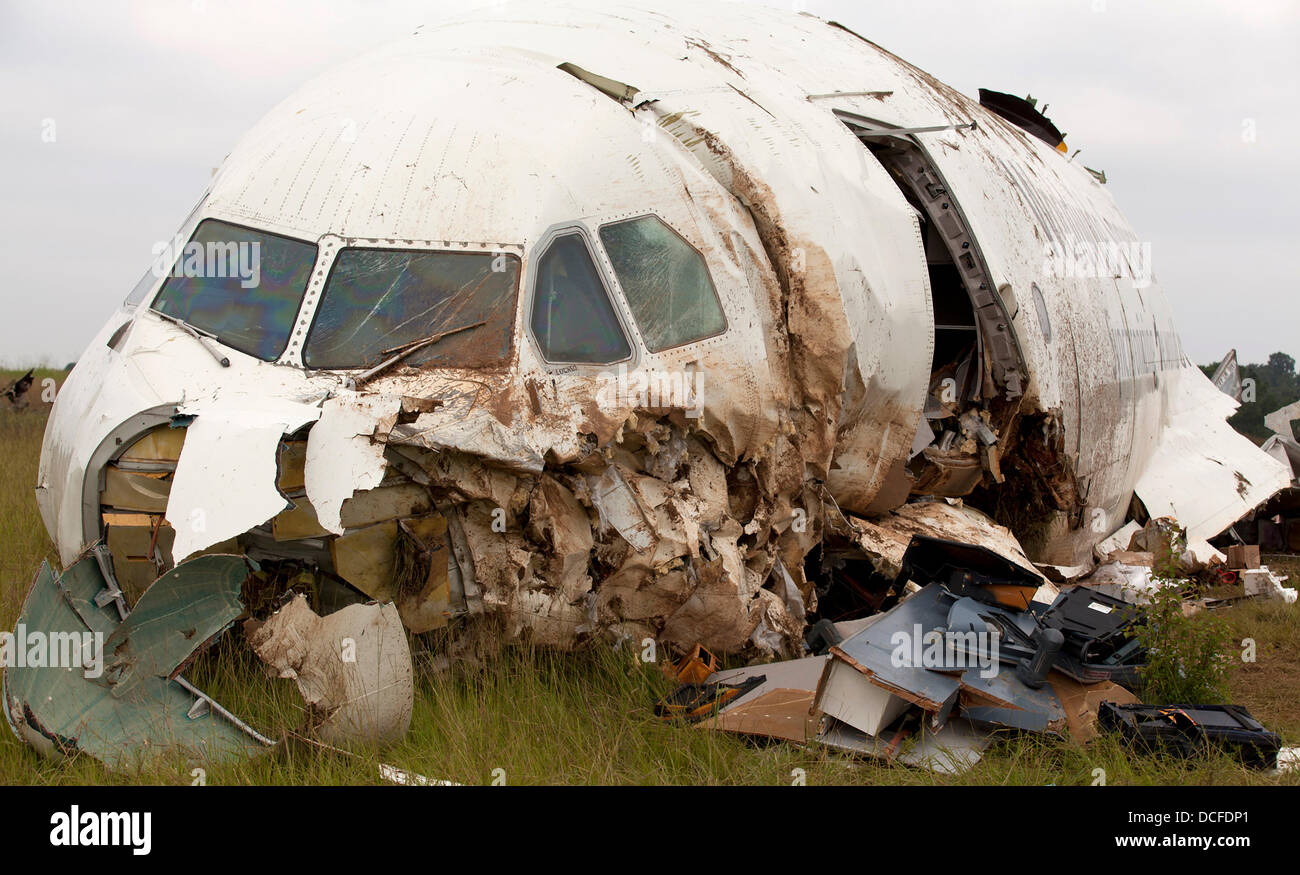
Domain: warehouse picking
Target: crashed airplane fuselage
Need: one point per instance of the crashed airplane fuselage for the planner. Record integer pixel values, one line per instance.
(603, 321)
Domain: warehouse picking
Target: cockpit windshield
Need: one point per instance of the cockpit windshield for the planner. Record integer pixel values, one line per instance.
(241, 286)
(378, 302)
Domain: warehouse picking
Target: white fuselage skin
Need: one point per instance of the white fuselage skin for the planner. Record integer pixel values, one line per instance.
(468, 136)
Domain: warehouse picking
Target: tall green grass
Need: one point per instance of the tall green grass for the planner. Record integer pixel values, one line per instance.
(527, 716)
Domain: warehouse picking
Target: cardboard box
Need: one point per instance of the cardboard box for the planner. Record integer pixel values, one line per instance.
(1243, 556)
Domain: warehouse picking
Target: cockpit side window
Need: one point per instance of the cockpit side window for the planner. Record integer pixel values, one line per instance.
(458, 308)
(665, 281)
(241, 286)
(573, 318)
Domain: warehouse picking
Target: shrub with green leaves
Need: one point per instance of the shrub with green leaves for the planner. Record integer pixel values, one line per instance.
(1187, 661)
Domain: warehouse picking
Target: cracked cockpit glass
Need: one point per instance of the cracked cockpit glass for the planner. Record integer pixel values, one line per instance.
(665, 281)
(451, 309)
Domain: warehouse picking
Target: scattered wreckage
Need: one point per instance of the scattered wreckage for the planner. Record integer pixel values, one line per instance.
(693, 363)
(114, 690)
(1273, 526)
(16, 392)
(983, 645)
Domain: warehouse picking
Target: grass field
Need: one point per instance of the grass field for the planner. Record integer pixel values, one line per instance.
(534, 717)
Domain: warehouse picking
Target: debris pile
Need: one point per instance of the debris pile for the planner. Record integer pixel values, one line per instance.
(87, 675)
(1157, 556)
(971, 650)
(917, 651)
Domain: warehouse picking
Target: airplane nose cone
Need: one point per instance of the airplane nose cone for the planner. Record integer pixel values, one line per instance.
(132, 378)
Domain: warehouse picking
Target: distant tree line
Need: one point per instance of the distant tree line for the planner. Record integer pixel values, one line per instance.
(1276, 385)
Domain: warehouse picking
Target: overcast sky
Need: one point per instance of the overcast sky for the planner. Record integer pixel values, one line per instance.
(1190, 106)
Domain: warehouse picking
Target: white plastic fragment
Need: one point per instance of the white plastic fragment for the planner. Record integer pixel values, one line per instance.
(1264, 583)
(353, 668)
(225, 480)
(394, 775)
(1288, 760)
(345, 452)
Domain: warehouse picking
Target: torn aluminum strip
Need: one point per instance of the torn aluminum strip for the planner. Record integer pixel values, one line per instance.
(394, 775)
(885, 538)
(620, 507)
(1227, 377)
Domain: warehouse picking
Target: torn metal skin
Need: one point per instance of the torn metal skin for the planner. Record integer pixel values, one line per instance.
(353, 668)
(126, 704)
(888, 337)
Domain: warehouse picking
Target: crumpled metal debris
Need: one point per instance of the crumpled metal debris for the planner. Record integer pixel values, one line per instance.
(1132, 583)
(928, 681)
(872, 677)
(886, 538)
(353, 668)
(85, 679)
(180, 615)
(138, 707)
